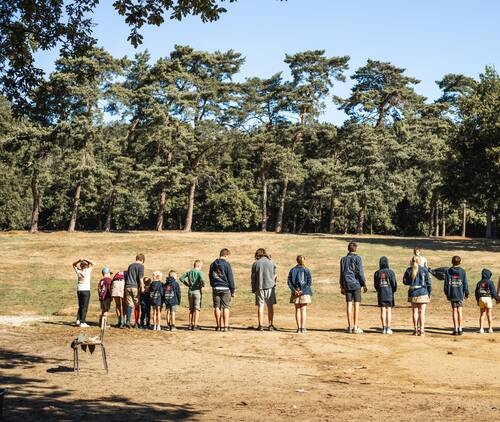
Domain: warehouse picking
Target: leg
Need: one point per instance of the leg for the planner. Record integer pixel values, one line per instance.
(118, 310)
(414, 312)
(460, 312)
(80, 306)
(489, 314)
(350, 322)
(260, 314)
(455, 318)
(421, 315)
(388, 317)
(172, 318)
(85, 306)
(481, 319)
(225, 315)
(270, 314)
(217, 315)
(196, 317)
(303, 315)
(382, 317)
(356, 314)
(137, 312)
(158, 317)
(298, 316)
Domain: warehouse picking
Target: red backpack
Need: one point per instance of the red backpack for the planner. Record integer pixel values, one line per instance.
(104, 288)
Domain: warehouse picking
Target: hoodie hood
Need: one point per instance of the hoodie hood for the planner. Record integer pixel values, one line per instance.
(454, 270)
(169, 280)
(384, 263)
(486, 274)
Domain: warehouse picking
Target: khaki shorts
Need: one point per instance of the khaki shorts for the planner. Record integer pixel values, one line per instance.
(300, 300)
(105, 305)
(485, 303)
(419, 300)
(265, 297)
(194, 297)
(118, 288)
(132, 295)
(222, 299)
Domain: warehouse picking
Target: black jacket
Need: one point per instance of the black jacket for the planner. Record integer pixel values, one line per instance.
(384, 281)
(221, 274)
(485, 287)
(456, 286)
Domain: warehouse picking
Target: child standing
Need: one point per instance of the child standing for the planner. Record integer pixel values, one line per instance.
(195, 281)
(300, 282)
(456, 288)
(386, 285)
(156, 298)
(104, 292)
(145, 320)
(171, 298)
(83, 269)
(118, 294)
(485, 291)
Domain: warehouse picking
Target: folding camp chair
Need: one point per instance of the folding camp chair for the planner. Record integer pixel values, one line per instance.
(85, 342)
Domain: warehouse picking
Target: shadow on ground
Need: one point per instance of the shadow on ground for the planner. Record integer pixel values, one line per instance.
(30, 398)
(435, 244)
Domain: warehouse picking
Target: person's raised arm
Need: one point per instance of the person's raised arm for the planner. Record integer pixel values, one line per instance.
(90, 262)
(75, 264)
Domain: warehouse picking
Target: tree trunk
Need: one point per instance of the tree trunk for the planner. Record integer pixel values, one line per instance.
(443, 221)
(189, 216)
(161, 211)
(281, 211)
(361, 220)
(436, 226)
(464, 219)
(331, 225)
(76, 203)
(489, 224)
(264, 202)
(35, 210)
(431, 221)
(109, 214)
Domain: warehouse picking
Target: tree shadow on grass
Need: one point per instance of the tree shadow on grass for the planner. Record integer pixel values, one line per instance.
(30, 398)
(434, 244)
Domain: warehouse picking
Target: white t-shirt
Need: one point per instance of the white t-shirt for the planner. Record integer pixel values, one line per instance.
(423, 262)
(83, 283)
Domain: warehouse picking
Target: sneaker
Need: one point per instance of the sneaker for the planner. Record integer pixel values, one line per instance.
(77, 322)
(299, 330)
(260, 328)
(196, 328)
(190, 328)
(455, 332)
(349, 330)
(357, 330)
(460, 332)
(388, 330)
(304, 330)
(84, 325)
(172, 328)
(481, 331)
(384, 330)
(272, 328)
(218, 328)
(490, 330)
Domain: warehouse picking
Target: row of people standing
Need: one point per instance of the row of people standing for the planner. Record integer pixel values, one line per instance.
(136, 294)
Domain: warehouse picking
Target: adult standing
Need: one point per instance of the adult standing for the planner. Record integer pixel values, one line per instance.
(222, 283)
(419, 292)
(417, 251)
(352, 279)
(264, 287)
(83, 269)
(135, 274)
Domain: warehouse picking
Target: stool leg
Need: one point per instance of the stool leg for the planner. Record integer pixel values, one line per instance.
(104, 358)
(74, 359)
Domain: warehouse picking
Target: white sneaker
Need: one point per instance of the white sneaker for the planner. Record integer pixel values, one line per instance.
(384, 330)
(388, 331)
(490, 330)
(481, 331)
(357, 330)
(84, 325)
(77, 322)
(349, 330)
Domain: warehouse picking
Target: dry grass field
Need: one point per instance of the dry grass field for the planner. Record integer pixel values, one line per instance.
(244, 374)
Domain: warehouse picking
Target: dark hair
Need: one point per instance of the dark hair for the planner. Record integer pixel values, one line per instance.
(84, 264)
(259, 253)
(301, 260)
(352, 247)
(224, 252)
(417, 248)
(140, 257)
(456, 260)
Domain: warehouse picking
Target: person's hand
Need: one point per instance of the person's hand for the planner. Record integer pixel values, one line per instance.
(467, 296)
(232, 294)
(365, 289)
(342, 290)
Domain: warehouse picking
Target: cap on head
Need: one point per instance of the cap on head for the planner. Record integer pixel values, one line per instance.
(105, 270)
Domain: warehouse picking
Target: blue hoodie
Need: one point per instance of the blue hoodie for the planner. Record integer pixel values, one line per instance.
(456, 286)
(485, 287)
(171, 292)
(221, 275)
(385, 282)
(299, 278)
(421, 286)
(352, 276)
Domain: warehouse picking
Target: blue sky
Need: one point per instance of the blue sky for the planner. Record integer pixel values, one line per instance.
(428, 38)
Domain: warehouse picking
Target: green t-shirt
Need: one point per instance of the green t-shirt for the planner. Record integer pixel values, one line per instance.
(196, 279)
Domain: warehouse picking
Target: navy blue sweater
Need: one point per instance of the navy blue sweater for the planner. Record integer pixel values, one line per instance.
(485, 287)
(455, 285)
(171, 292)
(299, 278)
(221, 275)
(384, 281)
(421, 286)
(352, 276)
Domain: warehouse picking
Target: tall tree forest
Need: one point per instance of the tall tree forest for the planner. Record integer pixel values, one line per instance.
(184, 143)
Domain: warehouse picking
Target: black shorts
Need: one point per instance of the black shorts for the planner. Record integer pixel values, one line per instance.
(353, 295)
(385, 303)
(457, 303)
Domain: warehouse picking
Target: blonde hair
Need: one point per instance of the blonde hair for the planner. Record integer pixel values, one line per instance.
(157, 275)
(415, 261)
(301, 260)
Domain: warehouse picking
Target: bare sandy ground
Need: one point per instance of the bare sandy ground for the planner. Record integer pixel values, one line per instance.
(324, 374)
